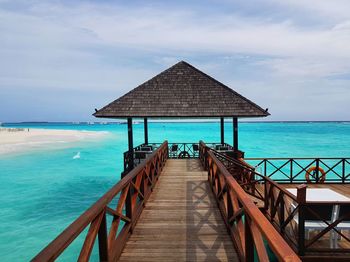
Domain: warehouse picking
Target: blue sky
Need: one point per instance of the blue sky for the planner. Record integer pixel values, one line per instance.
(61, 59)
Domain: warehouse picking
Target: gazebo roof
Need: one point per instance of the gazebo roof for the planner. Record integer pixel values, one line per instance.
(181, 91)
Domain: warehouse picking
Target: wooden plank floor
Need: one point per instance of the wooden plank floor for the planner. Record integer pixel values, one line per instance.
(181, 221)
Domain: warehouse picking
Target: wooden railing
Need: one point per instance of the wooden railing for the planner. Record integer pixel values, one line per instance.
(288, 213)
(129, 195)
(293, 170)
(175, 150)
(248, 227)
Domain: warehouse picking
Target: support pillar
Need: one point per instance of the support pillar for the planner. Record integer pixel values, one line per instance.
(222, 129)
(235, 134)
(145, 128)
(130, 145)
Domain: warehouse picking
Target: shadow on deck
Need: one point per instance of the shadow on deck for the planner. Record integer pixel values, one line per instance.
(181, 221)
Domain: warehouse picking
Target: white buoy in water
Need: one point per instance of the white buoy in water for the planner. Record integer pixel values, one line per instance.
(77, 156)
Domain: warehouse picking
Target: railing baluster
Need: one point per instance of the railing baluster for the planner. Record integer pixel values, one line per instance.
(281, 211)
(90, 238)
(291, 170)
(317, 167)
(258, 243)
(266, 197)
(343, 171)
(102, 239)
(249, 243)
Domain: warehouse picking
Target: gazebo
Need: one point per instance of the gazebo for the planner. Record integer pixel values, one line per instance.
(181, 91)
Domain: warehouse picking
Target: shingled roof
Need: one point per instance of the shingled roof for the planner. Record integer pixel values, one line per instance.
(181, 91)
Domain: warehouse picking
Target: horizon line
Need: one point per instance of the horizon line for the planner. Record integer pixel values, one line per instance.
(171, 121)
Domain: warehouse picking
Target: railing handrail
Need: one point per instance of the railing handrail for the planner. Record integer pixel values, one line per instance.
(274, 204)
(178, 143)
(275, 184)
(248, 167)
(281, 249)
(59, 244)
(304, 170)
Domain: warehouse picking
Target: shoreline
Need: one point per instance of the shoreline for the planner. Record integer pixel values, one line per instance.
(19, 140)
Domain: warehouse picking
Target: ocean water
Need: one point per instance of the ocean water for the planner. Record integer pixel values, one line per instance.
(42, 192)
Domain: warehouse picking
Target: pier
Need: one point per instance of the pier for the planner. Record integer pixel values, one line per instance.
(205, 200)
(181, 220)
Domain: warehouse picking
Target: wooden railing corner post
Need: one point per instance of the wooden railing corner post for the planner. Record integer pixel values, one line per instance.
(301, 193)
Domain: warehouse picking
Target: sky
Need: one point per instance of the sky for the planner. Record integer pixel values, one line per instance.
(59, 60)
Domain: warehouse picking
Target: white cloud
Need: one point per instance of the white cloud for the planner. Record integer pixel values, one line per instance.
(306, 67)
(164, 30)
(334, 10)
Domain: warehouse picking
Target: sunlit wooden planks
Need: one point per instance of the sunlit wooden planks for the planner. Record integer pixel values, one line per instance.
(181, 221)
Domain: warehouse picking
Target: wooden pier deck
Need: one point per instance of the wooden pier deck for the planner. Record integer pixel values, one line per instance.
(181, 220)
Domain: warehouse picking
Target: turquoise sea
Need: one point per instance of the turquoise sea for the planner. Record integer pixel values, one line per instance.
(42, 192)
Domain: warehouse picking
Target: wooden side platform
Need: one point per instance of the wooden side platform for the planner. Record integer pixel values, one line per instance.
(181, 221)
(323, 242)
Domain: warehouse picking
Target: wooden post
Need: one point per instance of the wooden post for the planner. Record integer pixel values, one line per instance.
(343, 172)
(317, 178)
(128, 204)
(301, 193)
(102, 239)
(301, 199)
(131, 145)
(249, 243)
(145, 127)
(291, 171)
(266, 196)
(222, 129)
(281, 213)
(235, 134)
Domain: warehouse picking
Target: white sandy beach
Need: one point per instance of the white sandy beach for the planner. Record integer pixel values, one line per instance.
(12, 141)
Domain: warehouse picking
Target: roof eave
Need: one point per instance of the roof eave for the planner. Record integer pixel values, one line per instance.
(178, 116)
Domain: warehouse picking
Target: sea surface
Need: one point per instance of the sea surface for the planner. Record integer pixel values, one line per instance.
(42, 192)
